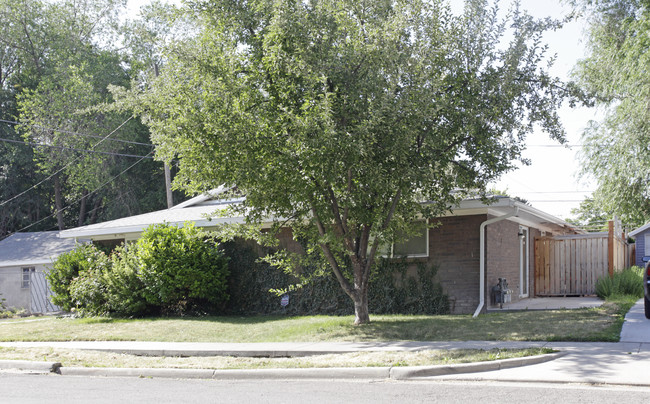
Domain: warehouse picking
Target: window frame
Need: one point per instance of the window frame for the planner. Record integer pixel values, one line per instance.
(26, 281)
(424, 254)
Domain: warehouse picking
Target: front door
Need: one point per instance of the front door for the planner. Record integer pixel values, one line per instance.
(524, 261)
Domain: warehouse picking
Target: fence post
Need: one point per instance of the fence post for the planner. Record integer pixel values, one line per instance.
(610, 248)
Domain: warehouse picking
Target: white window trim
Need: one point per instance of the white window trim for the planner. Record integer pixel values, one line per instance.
(26, 271)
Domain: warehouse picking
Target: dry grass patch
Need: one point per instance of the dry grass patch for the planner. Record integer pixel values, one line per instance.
(73, 357)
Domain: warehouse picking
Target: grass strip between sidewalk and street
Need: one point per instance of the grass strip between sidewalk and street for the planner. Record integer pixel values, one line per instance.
(83, 358)
(594, 324)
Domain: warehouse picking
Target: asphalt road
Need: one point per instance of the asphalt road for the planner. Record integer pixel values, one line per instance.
(21, 388)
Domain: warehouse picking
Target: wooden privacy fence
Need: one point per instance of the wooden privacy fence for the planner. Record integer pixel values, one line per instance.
(571, 265)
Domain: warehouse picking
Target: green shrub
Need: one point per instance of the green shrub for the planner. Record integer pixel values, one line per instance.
(604, 287)
(67, 268)
(181, 269)
(124, 288)
(169, 270)
(88, 293)
(626, 282)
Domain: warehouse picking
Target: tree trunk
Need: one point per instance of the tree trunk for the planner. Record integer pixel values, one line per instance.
(168, 187)
(82, 208)
(361, 315)
(58, 202)
(96, 206)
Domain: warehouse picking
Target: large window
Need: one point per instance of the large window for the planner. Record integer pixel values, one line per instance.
(417, 245)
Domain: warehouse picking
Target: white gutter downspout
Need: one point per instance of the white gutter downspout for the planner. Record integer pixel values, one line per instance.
(482, 258)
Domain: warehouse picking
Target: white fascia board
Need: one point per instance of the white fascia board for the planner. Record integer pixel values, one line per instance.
(25, 263)
(123, 231)
(641, 229)
(545, 217)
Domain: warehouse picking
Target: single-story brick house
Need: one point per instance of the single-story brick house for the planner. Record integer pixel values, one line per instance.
(642, 241)
(25, 258)
(506, 230)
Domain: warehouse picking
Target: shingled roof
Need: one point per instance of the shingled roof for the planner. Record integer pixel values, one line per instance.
(33, 248)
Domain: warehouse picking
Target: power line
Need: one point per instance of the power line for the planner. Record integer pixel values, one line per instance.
(555, 145)
(79, 200)
(552, 192)
(558, 200)
(65, 166)
(71, 148)
(75, 133)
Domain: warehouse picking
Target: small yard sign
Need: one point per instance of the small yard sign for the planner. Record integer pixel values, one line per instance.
(285, 300)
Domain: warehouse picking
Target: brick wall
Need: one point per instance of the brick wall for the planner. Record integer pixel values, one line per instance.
(502, 258)
(454, 248)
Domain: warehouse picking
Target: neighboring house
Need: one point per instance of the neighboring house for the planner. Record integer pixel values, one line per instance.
(508, 229)
(642, 241)
(25, 258)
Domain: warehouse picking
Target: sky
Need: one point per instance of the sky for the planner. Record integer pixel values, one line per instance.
(550, 183)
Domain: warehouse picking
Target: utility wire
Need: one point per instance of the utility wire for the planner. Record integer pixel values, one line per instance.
(65, 166)
(79, 200)
(72, 148)
(75, 133)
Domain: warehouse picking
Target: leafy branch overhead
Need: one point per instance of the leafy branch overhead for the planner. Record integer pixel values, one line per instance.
(616, 75)
(348, 115)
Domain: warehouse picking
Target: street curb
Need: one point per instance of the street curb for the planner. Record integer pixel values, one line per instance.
(30, 366)
(415, 372)
(396, 373)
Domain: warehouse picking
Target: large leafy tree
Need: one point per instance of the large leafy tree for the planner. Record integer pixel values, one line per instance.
(351, 118)
(616, 72)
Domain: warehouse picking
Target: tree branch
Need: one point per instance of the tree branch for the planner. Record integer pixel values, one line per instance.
(331, 259)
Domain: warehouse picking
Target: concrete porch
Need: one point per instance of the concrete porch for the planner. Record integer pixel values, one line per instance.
(549, 303)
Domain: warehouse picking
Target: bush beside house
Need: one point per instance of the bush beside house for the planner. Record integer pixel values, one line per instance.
(178, 271)
(393, 289)
(169, 271)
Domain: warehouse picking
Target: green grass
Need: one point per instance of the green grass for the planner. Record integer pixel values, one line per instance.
(69, 357)
(596, 324)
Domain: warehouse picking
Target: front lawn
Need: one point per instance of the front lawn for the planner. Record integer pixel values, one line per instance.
(596, 324)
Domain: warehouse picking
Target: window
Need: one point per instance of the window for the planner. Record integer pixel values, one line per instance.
(416, 246)
(27, 276)
(646, 239)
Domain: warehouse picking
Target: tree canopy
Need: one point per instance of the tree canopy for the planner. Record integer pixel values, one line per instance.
(57, 59)
(615, 72)
(351, 119)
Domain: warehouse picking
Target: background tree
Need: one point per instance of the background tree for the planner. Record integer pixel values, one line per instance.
(17, 167)
(351, 118)
(615, 71)
(589, 216)
(58, 59)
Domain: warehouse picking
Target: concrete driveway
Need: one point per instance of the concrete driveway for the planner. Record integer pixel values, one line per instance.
(636, 327)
